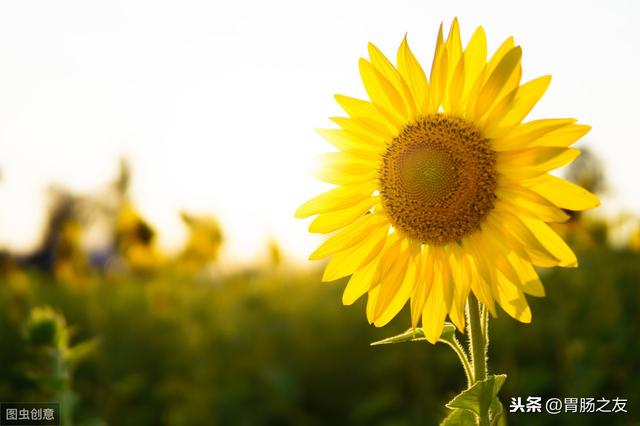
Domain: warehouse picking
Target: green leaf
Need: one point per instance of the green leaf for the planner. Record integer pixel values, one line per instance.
(498, 417)
(416, 335)
(479, 397)
(81, 351)
(460, 417)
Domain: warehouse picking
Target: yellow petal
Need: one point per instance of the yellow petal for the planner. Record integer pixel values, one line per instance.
(520, 239)
(435, 310)
(562, 193)
(423, 286)
(527, 96)
(365, 155)
(359, 282)
(348, 162)
(481, 289)
(348, 261)
(349, 236)
(456, 90)
(359, 108)
(356, 107)
(510, 112)
(454, 51)
(388, 257)
(438, 77)
(482, 278)
(475, 58)
(342, 168)
(337, 198)
(477, 71)
(380, 90)
(499, 54)
(521, 200)
(512, 300)
(454, 44)
(532, 162)
(412, 72)
(511, 84)
(343, 174)
(445, 271)
(551, 241)
(563, 137)
(371, 302)
(529, 279)
(495, 225)
(461, 285)
(386, 68)
(529, 133)
(513, 81)
(329, 222)
(396, 288)
(512, 267)
(533, 157)
(347, 141)
(370, 127)
(497, 81)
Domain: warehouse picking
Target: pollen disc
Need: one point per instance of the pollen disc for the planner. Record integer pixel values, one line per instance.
(438, 179)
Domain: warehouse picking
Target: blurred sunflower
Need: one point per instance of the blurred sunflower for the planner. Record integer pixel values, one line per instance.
(441, 189)
(135, 240)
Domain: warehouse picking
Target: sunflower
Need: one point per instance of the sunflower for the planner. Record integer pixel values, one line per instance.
(442, 189)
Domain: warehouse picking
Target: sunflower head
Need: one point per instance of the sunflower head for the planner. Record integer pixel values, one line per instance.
(441, 188)
(437, 179)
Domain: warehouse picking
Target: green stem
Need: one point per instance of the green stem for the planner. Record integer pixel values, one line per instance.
(484, 315)
(478, 327)
(462, 356)
(63, 392)
(476, 340)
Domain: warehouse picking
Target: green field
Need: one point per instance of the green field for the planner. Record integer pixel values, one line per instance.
(274, 346)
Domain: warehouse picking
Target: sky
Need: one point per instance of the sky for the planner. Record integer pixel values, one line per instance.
(215, 103)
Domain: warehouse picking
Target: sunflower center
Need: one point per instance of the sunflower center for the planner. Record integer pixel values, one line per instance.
(437, 179)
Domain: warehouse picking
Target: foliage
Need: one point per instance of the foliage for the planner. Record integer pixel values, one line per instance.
(277, 347)
(54, 359)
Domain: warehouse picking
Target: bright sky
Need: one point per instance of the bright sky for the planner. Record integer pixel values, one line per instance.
(215, 103)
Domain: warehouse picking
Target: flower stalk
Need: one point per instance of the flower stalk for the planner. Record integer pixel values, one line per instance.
(478, 320)
(477, 342)
(454, 344)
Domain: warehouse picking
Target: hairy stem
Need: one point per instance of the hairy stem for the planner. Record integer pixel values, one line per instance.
(478, 332)
(462, 355)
